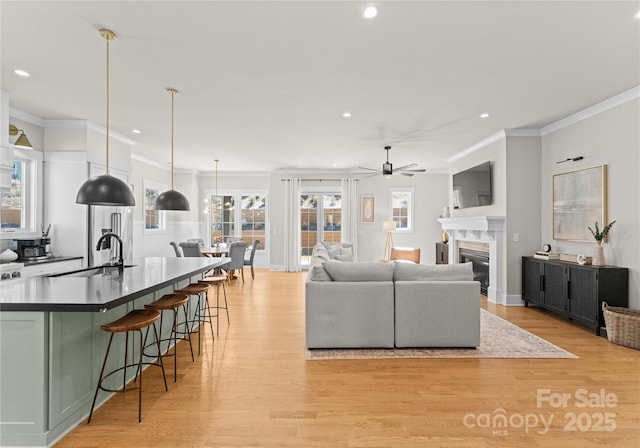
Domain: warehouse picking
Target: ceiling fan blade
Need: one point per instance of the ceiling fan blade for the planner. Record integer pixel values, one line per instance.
(404, 173)
(368, 169)
(404, 167)
(418, 170)
(371, 175)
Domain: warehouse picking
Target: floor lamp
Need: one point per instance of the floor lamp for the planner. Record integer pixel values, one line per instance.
(389, 226)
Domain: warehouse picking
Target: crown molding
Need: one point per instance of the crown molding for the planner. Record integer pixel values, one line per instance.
(522, 132)
(114, 135)
(26, 117)
(142, 159)
(500, 135)
(596, 109)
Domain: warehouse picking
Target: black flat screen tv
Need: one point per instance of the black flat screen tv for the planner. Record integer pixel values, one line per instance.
(472, 187)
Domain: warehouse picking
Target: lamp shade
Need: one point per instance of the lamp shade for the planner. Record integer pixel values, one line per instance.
(23, 142)
(105, 190)
(172, 200)
(389, 226)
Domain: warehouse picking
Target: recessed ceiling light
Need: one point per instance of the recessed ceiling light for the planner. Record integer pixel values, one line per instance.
(370, 12)
(346, 114)
(136, 131)
(485, 115)
(21, 73)
(637, 16)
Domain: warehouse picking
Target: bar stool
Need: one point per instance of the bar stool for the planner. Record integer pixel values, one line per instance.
(200, 316)
(173, 302)
(216, 281)
(135, 320)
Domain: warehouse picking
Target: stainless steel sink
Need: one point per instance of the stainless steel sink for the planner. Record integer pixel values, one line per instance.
(90, 272)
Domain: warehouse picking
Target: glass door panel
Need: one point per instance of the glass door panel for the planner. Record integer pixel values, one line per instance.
(320, 220)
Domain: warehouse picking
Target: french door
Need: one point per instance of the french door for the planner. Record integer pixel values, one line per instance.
(320, 220)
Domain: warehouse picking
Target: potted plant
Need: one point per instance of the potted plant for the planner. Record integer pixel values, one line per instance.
(599, 236)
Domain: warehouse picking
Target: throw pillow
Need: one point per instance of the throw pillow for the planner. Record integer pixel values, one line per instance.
(346, 257)
(346, 251)
(441, 272)
(359, 271)
(321, 253)
(333, 253)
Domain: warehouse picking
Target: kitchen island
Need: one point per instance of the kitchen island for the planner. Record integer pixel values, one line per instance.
(51, 345)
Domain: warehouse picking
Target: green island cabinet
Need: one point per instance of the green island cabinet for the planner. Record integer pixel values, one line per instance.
(574, 291)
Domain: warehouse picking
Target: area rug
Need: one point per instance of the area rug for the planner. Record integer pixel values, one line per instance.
(498, 339)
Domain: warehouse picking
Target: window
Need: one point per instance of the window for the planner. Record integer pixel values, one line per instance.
(154, 220)
(402, 209)
(253, 219)
(18, 205)
(228, 222)
(320, 220)
(13, 201)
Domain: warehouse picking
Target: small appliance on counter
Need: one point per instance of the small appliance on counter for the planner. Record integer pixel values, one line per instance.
(33, 249)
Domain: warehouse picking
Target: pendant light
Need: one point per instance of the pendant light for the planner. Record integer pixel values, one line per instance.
(106, 189)
(172, 199)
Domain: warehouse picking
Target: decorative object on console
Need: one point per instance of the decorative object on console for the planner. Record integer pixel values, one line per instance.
(598, 255)
(445, 237)
(446, 212)
(172, 199)
(579, 197)
(389, 226)
(106, 189)
(579, 259)
(22, 141)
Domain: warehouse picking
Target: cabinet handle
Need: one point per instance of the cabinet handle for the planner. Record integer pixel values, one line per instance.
(541, 282)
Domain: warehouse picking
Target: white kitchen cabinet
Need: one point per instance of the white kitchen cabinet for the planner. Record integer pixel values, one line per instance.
(51, 268)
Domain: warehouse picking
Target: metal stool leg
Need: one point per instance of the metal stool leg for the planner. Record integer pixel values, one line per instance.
(104, 364)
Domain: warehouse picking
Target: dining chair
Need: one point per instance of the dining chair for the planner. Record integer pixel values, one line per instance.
(249, 261)
(191, 249)
(200, 241)
(176, 248)
(405, 254)
(236, 253)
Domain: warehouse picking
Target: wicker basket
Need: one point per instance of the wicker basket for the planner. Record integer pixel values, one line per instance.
(623, 325)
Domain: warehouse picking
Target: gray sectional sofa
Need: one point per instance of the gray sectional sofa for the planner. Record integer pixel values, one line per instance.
(385, 305)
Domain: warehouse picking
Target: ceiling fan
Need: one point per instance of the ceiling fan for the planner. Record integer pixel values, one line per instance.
(387, 168)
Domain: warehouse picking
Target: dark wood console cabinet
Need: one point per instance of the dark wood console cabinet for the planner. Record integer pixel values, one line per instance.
(574, 291)
(442, 253)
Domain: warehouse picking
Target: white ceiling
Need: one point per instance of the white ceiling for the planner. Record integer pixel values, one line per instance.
(263, 85)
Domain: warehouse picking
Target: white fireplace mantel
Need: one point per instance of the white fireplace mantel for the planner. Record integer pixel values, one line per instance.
(483, 229)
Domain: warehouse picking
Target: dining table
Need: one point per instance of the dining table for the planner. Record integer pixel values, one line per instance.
(214, 252)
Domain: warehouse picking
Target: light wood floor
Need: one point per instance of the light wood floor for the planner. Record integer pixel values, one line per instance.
(253, 388)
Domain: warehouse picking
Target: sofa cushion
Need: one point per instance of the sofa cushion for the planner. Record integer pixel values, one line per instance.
(348, 257)
(317, 273)
(329, 245)
(441, 272)
(359, 271)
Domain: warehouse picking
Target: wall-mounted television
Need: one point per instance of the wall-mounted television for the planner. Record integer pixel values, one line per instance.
(472, 187)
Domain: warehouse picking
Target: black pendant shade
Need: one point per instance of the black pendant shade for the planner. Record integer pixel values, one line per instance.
(105, 190)
(172, 200)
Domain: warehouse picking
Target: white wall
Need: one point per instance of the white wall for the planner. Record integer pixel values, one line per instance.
(611, 137)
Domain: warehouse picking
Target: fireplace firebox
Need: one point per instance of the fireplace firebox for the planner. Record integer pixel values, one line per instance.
(480, 263)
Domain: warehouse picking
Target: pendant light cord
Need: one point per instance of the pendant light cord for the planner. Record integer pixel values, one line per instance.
(108, 35)
(173, 95)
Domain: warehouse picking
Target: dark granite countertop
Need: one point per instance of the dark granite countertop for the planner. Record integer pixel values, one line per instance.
(104, 291)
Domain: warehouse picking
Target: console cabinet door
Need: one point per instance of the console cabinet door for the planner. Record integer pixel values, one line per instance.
(583, 297)
(532, 281)
(554, 287)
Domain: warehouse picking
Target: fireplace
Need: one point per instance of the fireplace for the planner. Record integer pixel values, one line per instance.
(484, 234)
(480, 262)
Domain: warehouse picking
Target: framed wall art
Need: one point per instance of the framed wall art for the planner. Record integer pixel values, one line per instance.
(367, 209)
(579, 200)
